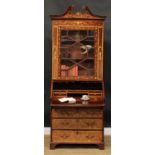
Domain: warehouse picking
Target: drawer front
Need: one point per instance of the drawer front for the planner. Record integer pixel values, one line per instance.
(77, 136)
(77, 124)
(96, 96)
(90, 124)
(64, 124)
(77, 113)
(58, 94)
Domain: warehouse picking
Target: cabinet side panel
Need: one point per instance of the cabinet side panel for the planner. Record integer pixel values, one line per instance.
(100, 53)
(54, 52)
(102, 58)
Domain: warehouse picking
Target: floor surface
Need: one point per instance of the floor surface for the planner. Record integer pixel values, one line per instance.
(77, 149)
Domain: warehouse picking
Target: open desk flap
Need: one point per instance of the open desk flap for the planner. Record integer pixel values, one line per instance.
(76, 89)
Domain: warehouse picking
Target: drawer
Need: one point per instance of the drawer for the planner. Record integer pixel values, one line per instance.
(96, 96)
(77, 113)
(58, 94)
(64, 124)
(77, 124)
(59, 136)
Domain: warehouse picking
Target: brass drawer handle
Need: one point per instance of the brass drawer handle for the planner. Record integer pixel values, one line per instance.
(90, 136)
(90, 124)
(65, 113)
(64, 136)
(64, 123)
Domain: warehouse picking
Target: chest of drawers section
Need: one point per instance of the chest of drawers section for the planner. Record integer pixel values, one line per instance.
(76, 125)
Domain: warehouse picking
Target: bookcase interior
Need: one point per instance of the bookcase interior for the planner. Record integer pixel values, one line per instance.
(77, 53)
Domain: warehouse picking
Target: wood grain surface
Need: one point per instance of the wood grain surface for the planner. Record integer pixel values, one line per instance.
(77, 149)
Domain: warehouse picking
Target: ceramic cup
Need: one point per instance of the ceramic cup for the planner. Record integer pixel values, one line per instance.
(85, 97)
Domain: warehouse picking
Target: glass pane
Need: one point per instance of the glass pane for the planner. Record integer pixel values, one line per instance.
(77, 53)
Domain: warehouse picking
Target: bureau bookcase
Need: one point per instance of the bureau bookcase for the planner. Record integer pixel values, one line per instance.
(77, 70)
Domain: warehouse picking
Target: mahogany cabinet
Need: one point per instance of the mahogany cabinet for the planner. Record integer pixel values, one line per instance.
(77, 69)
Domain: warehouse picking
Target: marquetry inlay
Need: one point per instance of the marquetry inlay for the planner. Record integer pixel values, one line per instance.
(77, 70)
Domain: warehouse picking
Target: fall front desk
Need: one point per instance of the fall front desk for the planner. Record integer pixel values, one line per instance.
(77, 70)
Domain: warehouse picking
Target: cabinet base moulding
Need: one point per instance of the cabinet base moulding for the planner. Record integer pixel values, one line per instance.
(99, 145)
